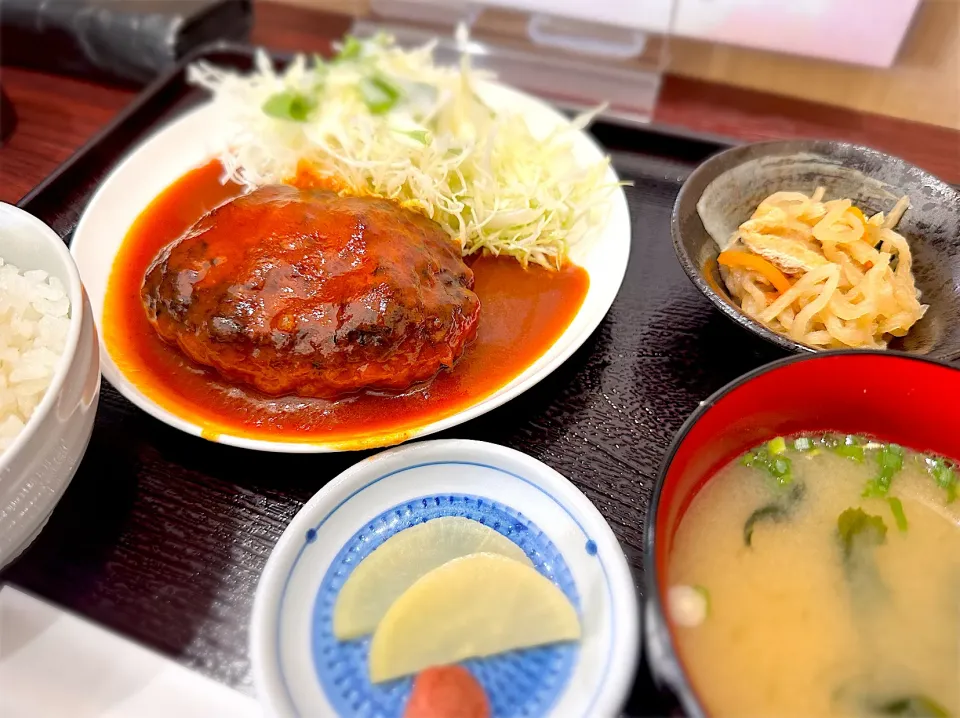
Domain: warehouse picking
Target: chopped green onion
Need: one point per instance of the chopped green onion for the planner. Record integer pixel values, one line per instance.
(350, 50)
(890, 458)
(777, 467)
(851, 447)
(379, 94)
(777, 445)
(851, 452)
(946, 477)
(896, 508)
(289, 105)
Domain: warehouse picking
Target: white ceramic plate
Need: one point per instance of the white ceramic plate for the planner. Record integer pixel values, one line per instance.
(300, 669)
(189, 141)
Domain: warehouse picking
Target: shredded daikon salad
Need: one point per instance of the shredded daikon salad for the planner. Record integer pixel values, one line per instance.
(384, 121)
(823, 273)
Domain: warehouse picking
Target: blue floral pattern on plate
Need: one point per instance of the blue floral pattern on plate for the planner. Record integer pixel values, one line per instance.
(519, 684)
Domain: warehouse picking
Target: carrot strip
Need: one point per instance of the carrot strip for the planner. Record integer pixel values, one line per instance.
(859, 215)
(735, 258)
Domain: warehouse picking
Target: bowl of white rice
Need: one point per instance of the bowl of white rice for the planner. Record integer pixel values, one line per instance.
(49, 375)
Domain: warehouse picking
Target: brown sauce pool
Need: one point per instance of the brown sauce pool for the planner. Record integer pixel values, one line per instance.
(523, 312)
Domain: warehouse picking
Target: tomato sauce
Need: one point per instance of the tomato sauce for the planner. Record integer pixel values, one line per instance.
(523, 312)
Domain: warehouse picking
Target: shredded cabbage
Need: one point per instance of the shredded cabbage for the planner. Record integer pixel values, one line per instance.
(383, 121)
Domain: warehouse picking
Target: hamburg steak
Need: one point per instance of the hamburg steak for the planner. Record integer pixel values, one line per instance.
(305, 292)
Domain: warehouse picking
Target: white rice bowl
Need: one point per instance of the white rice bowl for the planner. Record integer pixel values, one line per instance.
(34, 323)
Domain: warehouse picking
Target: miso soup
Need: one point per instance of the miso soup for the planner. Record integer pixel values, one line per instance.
(820, 576)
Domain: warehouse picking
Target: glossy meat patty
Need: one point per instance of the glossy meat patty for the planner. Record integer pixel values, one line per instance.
(303, 291)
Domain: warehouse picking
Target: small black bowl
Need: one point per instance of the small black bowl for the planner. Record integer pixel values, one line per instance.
(873, 180)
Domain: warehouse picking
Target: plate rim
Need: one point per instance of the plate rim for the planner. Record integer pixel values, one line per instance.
(617, 261)
(271, 586)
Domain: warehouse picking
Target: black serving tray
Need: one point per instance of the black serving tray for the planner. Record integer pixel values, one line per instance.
(162, 536)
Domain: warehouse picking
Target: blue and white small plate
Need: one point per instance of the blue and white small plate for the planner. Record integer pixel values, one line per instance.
(300, 669)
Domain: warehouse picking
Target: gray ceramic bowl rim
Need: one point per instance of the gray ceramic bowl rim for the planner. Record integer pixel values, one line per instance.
(74, 290)
(694, 273)
(672, 676)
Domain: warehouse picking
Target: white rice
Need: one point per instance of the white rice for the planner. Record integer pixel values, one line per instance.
(34, 321)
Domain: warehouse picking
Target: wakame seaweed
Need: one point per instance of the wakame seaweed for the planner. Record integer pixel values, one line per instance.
(918, 706)
(775, 511)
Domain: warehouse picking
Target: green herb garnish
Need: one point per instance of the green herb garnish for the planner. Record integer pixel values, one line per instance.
(777, 446)
(851, 447)
(777, 466)
(350, 50)
(945, 475)
(379, 94)
(890, 458)
(289, 105)
(856, 527)
(896, 508)
(912, 706)
(420, 136)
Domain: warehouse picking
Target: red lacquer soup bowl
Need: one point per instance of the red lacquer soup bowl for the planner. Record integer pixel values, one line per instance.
(894, 397)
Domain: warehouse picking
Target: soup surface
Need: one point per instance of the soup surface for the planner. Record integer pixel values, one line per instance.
(821, 578)
(523, 312)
